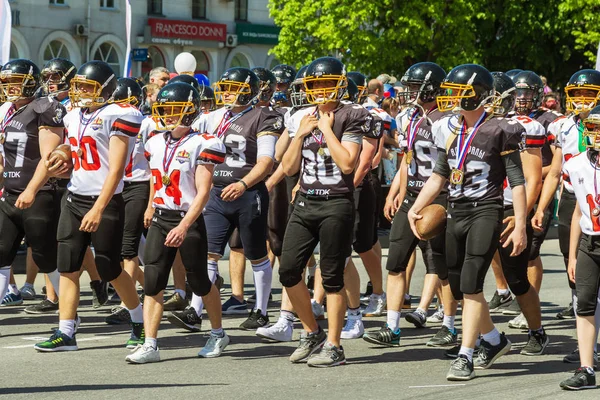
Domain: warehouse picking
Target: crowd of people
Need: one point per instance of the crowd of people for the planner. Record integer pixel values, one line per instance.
(130, 181)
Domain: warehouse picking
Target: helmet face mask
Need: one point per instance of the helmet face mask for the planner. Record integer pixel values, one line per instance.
(20, 79)
(56, 75)
(237, 87)
(458, 97)
(583, 91)
(207, 99)
(525, 102)
(325, 89)
(128, 91)
(176, 105)
(468, 87)
(503, 103)
(93, 85)
(591, 131)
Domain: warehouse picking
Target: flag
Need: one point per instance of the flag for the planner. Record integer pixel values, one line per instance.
(598, 59)
(127, 67)
(6, 23)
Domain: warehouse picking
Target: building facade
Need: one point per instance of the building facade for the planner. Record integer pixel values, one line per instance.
(219, 33)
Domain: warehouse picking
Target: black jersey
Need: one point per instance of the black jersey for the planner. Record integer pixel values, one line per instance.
(240, 138)
(20, 130)
(546, 117)
(484, 171)
(320, 175)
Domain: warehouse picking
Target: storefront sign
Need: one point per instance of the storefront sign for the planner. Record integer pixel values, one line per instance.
(140, 54)
(167, 31)
(259, 34)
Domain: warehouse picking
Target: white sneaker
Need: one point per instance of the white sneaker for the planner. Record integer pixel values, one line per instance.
(354, 328)
(214, 346)
(143, 354)
(281, 331)
(376, 307)
(519, 322)
(318, 310)
(437, 317)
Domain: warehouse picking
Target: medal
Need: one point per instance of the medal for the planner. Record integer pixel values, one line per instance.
(321, 152)
(456, 176)
(408, 156)
(596, 211)
(80, 152)
(166, 180)
(168, 156)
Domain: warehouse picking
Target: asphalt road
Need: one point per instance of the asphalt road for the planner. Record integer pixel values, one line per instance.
(250, 368)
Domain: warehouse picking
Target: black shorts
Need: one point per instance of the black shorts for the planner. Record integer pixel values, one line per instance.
(107, 240)
(277, 217)
(539, 237)
(587, 275)
(235, 241)
(37, 222)
(290, 183)
(248, 213)
(158, 258)
(403, 243)
(515, 268)
(135, 196)
(566, 207)
(364, 199)
(328, 221)
(472, 235)
(379, 202)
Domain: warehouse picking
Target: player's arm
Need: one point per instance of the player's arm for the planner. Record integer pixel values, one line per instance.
(369, 147)
(392, 139)
(396, 192)
(516, 179)
(293, 155)
(274, 179)
(548, 189)
(282, 145)
(531, 160)
(574, 242)
(149, 208)
(49, 139)
(378, 155)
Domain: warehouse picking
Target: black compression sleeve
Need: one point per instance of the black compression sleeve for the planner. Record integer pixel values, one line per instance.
(441, 166)
(514, 169)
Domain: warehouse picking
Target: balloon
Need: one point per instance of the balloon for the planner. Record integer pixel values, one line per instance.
(388, 91)
(202, 79)
(185, 63)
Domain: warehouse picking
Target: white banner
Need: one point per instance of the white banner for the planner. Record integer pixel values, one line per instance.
(6, 24)
(598, 59)
(127, 66)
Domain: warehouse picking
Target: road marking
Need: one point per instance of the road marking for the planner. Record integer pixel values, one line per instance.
(436, 386)
(39, 339)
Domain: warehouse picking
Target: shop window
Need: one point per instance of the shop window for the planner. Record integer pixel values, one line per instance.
(56, 48)
(199, 9)
(241, 10)
(240, 60)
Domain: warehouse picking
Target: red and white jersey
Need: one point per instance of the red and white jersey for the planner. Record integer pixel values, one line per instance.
(89, 136)
(580, 173)
(568, 132)
(199, 122)
(533, 137)
(175, 187)
(137, 168)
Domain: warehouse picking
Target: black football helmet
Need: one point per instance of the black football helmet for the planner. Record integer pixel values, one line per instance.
(176, 100)
(237, 87)
(583, 91)
(284, 75)
(297, 93)
(190, 80)
(591, 129)
(127, 91)
(207, 99)
(422, 82)
(504, 100)
(361, 83)
(267, 83)
(93, 85)
(325, 69)
(469, 86)
(530, 92)
(20, 79)
(57, 74)
(351, 92)
(513, 72)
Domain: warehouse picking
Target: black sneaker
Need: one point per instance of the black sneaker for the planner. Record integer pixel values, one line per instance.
(536, 344)
(573, 358)
(461, 369)
(488, 354)
(252, 299)
(567, 313)
(255, 320)
(186, 319)
(512, 309)
(99, 293)
(384, 337)
(57, 342)
(43, 307)
(417, 318)
(118, 316)
(583, 379)
(443, 338)
(453, 352)
(499, 302)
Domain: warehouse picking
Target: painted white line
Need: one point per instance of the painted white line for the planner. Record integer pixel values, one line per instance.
(436, 386)
(38, 339)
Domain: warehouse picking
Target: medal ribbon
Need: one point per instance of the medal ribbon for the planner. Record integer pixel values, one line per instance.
(168, 156)
(463, 143)
(228, 120)
(319, 141)
(596, 196)
(10, 114)
(85, 122)
(412, 132)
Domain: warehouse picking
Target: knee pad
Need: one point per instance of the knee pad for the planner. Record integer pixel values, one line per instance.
(200, 287)
(519, 287)
(107, 270)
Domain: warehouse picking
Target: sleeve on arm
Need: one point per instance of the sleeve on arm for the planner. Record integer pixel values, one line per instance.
(442, 167)
(514, 169)
(127, 125)
(266, 146)
(51, 114)
(212, 151)
(271, 124)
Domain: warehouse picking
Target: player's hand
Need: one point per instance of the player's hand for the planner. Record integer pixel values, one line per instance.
(91, 220)
(389, 209)
(148, 214)
(269, 184)
(294, 191)
(510, 227)
(571, 269)
(25, 199)
(518, 238)
(413, 217)
(176, 236)
(307, 125)
(55, 166)
(325, 120)
(233, 191)
(538, 220)
(397, 202)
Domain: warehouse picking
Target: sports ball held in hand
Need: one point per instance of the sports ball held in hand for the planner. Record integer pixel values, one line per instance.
(433, 221)
(62, 153)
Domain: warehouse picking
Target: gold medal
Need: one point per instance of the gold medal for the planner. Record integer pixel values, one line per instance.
(166, 180)
(321, 152)
(80, 152)
(596, 211)
(408, 156)
(456, 176)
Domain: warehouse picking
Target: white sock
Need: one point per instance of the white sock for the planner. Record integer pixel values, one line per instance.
(67, 326)
(12, 288)
(54, 278)
(503, 292)
(4, 279)
(151, 342)
(466, 351)
(197, 303)
(213, 270)
(141, 248)
(478, 341)
(181, 293)
(263, 275)
(286, 316)
(492, 337)
(27, 285)
(354, 313)
(449, 322)
(393, 319)
(137, 314)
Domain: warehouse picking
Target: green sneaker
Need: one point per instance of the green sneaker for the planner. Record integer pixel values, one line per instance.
(137, 335)
(57, 342)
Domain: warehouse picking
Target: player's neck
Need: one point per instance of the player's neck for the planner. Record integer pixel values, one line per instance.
(180, 131)
(62, 95)
(22, 102)
(328, 106)
(239, 109)
(471, 117)
(428, 106)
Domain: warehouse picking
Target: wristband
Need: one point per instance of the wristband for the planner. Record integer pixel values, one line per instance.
(243, 183)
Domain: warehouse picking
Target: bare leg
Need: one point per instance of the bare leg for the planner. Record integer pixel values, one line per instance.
(31, 268)
(153, 311)
(336, 310)
(50, 292)
(535, 272)
(237, 268)
(501, 283)
(69, 295)
(179, 274)
(319, 291)
(476, 319)
(89, 265)
(586, 338)
(396, 285)
(409, 271)
(300, 299)
(530, 307)
(372, 264)
(430, 286)
(212, 302)
(352, 286)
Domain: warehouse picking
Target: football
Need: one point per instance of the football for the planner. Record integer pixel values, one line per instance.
(62, 153)
(433, 221)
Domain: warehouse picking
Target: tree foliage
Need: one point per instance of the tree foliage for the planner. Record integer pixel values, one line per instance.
(552, 37)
